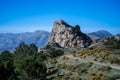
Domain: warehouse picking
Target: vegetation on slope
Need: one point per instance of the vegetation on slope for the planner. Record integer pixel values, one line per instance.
(26, 63)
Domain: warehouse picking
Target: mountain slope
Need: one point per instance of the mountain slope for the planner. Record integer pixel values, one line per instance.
(8, 41)
(99, 34)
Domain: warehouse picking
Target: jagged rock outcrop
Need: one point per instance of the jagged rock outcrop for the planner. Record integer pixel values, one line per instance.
(117, 37)
(64, 35)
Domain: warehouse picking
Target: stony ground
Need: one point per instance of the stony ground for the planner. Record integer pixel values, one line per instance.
(74, 67)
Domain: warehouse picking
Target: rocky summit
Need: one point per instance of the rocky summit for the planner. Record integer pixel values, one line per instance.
(65, 35)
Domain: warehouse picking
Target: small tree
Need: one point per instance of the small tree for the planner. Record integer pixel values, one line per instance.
(33, 49)
(6, 65)
(29, 63)
(77, 28)
(22, 49)
(54, 52)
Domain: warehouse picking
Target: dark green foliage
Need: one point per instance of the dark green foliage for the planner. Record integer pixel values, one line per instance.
(31, 68)
(77, 28)
(27, 60)
(25, 50)
(6, 56)
(26, 63)
(115, 61)
(112, 43)
(114, 77)
(52, 52)
(6, 65)
(33, 48)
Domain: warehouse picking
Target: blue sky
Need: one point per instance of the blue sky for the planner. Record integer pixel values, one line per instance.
(18, 16)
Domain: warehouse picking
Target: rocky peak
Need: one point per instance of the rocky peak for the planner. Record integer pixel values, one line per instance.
(61, 22)
(64, 35)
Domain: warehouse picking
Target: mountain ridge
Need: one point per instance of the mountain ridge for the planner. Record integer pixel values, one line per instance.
(6, 37)
(8, 41)
(99, 34)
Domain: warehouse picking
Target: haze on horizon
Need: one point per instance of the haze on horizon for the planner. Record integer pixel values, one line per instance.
(18, 16)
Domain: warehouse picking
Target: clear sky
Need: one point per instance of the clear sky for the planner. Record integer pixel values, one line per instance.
(30, 15)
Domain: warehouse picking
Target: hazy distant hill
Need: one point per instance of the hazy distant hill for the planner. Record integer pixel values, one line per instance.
(99, 34)
(8, 41)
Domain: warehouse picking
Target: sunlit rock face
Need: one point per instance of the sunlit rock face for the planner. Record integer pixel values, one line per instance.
(64, 35)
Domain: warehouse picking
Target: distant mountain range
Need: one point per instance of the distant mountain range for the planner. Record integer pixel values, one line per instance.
(99, 34)
(8, 41)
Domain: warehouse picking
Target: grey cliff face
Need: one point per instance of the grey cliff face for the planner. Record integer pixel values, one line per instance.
(117, 37)
(64, 35)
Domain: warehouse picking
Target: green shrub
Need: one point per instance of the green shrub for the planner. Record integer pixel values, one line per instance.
(74, 78)
(100, 74)
(91, 73)
(94, 78)
(114, 61)
(104, 68)
(54, 52)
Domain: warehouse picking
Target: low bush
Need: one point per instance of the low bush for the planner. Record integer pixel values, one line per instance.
(100, 74)
(91, 73)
